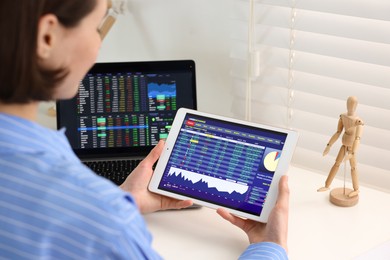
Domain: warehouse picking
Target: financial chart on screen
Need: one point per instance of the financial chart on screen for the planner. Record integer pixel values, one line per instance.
(125, 109)
(231, 165)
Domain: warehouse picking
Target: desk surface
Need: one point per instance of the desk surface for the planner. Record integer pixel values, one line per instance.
(317, 228)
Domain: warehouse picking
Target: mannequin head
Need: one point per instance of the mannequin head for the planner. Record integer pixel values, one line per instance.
(351, 105)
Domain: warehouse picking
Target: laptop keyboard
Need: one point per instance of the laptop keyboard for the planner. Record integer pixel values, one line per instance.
(116, 171)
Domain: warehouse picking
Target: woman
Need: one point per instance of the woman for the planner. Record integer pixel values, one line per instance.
(51, 206)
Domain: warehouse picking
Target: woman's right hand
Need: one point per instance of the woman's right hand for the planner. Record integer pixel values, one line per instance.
(277, 227)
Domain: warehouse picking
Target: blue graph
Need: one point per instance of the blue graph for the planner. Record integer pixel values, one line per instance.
(155, 89)
(219, 184)
(208, 185)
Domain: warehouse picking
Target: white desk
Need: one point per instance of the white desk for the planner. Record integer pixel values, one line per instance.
(317, 228)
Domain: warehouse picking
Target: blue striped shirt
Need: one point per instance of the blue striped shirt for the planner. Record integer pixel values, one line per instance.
(52, 206)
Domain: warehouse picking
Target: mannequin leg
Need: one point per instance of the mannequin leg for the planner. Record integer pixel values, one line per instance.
(355, 179)
(334, 169)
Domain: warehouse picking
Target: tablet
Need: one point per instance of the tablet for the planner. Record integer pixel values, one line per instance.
(222, 162)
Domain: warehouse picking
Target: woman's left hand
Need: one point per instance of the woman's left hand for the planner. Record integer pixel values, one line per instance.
(137, 184)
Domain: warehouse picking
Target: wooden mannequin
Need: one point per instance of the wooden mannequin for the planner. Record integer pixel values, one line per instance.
(352, 126)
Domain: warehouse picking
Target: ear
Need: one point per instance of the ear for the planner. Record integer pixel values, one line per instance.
(48, 29)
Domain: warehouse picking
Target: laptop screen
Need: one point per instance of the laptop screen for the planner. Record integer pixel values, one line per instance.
(126, 108)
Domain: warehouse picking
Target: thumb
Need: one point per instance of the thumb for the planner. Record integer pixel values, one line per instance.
(284, 192)
(153, 156)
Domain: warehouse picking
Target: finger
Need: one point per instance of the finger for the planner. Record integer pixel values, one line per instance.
(183, 204)
(284, 192)
(175, 204)
(238, 222)
(153, 156)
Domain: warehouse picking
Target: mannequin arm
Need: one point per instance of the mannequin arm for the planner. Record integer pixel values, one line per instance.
(356, 143)
(334, 137)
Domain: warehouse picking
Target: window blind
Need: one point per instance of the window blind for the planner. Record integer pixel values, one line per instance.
(295, 63)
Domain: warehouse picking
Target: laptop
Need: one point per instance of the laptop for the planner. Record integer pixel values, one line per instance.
(123, 109)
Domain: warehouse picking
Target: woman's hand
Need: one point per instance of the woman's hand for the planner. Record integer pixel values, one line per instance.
(277, 227)
(137, 184)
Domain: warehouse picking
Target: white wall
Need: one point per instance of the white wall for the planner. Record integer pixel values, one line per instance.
(179, 29)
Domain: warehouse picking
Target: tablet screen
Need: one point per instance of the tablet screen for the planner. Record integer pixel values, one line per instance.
(224, 163)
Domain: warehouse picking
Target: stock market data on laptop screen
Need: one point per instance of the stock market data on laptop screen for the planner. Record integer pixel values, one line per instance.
(122, 105)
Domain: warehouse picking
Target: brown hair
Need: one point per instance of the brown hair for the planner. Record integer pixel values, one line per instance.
(21, 78)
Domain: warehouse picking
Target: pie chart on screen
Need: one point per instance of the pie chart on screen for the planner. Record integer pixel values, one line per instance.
(271, 161)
